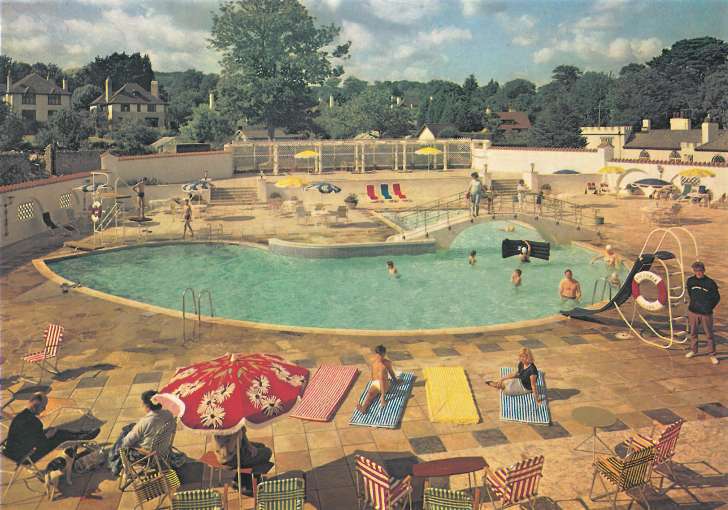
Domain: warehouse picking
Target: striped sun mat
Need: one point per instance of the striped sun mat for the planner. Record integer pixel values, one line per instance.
(324, 393)
(523, 407)
(396, 401)
(449, 399)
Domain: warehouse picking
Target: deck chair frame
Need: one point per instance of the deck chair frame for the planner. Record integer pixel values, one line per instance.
(134, 458)
(514, 485)
(664, 444)
(374, 487)
(52, 341)
(631, 472)
(278, 495)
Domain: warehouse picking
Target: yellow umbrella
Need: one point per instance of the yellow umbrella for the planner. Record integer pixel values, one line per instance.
(428, 151)
(291, 182)
(697, 172)
(306, 154)
(611, 170)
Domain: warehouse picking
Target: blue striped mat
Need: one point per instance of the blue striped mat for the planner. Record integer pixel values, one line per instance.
(396, 401)
(523, 407)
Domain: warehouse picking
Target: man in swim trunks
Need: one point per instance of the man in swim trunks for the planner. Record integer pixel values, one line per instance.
(475, 192)
(188, 220)
(139, 189)
(381, 368)
(569, 288)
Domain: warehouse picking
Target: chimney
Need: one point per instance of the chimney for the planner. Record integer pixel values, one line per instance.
(488, 111)
(9, 84)
(510, 108)
(64, 85)
(331, 101)
(646, 125)
(107, 89)
(709, 130)
(212, 101)
(154, 88)
(679, 124)
(399, 101)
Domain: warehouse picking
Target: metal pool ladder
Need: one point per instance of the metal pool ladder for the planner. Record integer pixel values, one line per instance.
(196, 309)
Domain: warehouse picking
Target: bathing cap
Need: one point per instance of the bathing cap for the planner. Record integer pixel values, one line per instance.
(608, 247)
(524, 250)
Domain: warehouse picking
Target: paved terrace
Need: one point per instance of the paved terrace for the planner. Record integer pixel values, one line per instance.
(113, 353)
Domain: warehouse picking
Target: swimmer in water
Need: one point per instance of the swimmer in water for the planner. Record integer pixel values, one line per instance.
(610, 257)
(516, 278)
(507, 228)
(392, 270)
(526, 252)
(614, 280)
(471, 258)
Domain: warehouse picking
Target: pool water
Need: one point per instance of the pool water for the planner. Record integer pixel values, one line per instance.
(435, 290)
(411, 220)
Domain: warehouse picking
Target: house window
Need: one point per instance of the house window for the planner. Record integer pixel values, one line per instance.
(51, 113)
(152, 121)
(64, 201)
(675, 155)
(28, 115)
(29, 98)
(26, 211)
(151, 107)
(644, 155)
(125, 108)
(718, 159)
(54, 99)
(139, 107)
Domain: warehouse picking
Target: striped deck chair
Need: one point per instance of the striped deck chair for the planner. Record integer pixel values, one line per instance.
(376, 489)
(283, 494)
(664, 444)
(198, 499)
(515, 484)
(47, 359)
(632, 472)
(445, 499)
(139, 460)
(150, 480)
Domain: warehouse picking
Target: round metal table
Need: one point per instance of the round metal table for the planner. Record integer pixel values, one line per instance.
(594, 417)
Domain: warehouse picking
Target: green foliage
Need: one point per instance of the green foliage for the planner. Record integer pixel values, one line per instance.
(11, 129)
(84, 95)
(132, 138)
(208, 126)
(120, 67)
(557, 126)
(272, 52)
(638, 95)
(566, 76)
(66, 129)
(715, 96)
(184, 91)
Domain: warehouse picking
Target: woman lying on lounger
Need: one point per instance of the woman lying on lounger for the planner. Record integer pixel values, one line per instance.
(523, 380)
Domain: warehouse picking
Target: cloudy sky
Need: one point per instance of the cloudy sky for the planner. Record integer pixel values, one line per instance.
(391, 39)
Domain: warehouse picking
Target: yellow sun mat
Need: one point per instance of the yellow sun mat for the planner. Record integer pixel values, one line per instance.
(449, 398)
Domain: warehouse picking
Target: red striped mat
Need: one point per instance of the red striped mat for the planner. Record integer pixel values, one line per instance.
(324, 393)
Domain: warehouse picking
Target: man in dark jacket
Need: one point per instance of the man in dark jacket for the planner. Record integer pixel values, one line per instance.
(704, 297)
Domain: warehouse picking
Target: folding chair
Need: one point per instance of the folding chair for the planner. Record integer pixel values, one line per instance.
(149, 478)
(374, 486)
(445, 499)
(47, 359)
(283, 494)
(664, 444)
(134, 459)
(515, 484)
(24, 464)
(199, 499)
(632, 472)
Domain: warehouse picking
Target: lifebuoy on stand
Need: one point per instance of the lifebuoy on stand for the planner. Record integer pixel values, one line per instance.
(654, 305)
(96, 211)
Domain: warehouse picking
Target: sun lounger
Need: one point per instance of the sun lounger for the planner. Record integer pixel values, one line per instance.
(372, 194)
(324, 393)
(398, 191)
(523, 408)
(396, 400)
(385, 191)
(47, 359)
(449, 397)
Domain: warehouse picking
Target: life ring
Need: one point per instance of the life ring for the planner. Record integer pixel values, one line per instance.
(96, 211)
(654, 305)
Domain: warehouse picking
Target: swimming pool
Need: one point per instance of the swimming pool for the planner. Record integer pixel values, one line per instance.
(411, 220)
(437, 290)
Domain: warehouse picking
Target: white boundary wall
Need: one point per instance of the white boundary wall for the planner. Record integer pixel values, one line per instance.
(169, 168)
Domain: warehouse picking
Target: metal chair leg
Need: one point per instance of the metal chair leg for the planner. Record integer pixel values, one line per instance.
(12, 480)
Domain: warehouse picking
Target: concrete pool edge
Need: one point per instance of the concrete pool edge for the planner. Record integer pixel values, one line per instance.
(41, 266)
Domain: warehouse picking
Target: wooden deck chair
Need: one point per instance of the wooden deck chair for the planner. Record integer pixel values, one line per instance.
(47, 359)
(603, 187)
(445, 499)
(663, 440)
(515, 484)
(199, 499)
(283, 494)
(590, 188)
(375, 488)
(631, 472)
(135, 460)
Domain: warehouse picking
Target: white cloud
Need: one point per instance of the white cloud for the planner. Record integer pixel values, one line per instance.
(438, 36)
(358, 34)
(522, 29)
(404, 12)
(543, 55)
(633, 49)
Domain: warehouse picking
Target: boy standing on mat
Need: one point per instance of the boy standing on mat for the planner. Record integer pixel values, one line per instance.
(381, 372)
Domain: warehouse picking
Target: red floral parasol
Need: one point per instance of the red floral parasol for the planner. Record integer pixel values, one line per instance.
(225, 393)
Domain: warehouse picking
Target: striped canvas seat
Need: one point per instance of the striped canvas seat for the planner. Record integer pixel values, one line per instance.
(324, 393)
(198, 499)
(515, 484)
(155, 485)
(664, 445)
(52, 338)
(284, 494)
(377, 489)
(524, 408)
(631, 472)
(445, 499)
(396, 401)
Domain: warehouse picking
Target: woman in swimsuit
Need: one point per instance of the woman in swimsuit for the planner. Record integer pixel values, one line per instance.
(188, 220)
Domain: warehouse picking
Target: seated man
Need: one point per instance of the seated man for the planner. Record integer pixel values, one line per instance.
(142, 433)
(26, 432)
(252, 455)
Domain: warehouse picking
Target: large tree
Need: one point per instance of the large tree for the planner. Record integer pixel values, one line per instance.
(207, 125)
(641, 94)
(84, 95)
(133, 137)
(715, 96)
(11, 129)
(558, 125)
(272, 53)
(184, 91)
(120, 67)
(66, 129)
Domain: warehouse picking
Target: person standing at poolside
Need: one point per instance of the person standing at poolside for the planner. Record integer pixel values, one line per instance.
(471, 258)
(138, 188)
(521, 192)
(188, 220)
(704, 297)
(569, 288)
(474, 194)
(381, 372)
(523, 380)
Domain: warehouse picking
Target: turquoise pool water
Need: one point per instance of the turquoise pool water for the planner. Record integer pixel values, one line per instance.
(434, 291)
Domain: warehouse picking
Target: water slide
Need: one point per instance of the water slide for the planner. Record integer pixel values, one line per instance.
(644, 263)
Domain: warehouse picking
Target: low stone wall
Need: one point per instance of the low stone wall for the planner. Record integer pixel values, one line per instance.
(71, 162)
(322, 251)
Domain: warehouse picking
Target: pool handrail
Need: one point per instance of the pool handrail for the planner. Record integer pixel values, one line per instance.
(189, 290)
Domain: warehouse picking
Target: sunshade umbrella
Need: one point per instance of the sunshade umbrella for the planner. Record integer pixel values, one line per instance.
(428, 151)
(696, 172)
(291, 181)
(305, 154)
(220, 396)
(611, 170)
(655, 183)
(566, 171)
(323, 187)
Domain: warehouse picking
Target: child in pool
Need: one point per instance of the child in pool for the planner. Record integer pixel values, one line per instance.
(516, 278)
(471, 258)
(392, 270)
